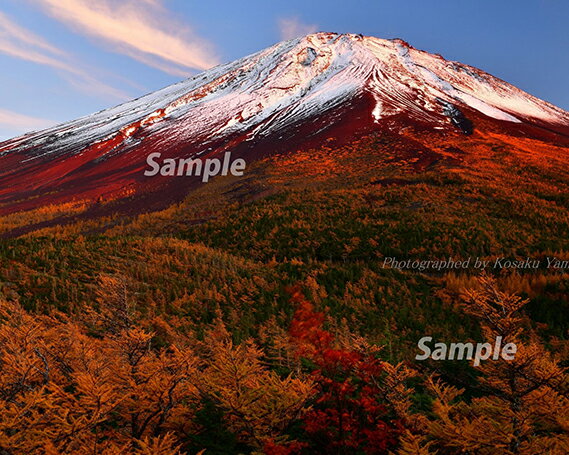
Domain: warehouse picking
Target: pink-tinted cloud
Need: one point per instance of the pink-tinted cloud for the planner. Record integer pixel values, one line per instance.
(19, 42)
(292, 27)
(141, 29)
(16, 121)
(9, 30)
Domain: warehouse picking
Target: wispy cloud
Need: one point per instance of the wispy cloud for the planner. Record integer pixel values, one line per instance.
(12, 31)
(15, 121)
(22, 43)
(292, 27)
(142, 29)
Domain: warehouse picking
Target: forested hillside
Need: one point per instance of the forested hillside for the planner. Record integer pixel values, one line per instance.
(259, 316)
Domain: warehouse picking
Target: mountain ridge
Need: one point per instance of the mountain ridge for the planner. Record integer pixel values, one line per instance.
(306, 90)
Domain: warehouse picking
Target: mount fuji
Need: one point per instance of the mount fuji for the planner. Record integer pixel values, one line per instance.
(293, 96)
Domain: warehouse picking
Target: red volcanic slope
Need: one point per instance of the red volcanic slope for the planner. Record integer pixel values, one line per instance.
(292, 95)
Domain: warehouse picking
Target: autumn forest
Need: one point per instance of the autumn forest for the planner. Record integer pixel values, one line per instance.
(257, 315)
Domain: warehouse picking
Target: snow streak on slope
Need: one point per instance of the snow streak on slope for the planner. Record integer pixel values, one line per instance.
(289, 82)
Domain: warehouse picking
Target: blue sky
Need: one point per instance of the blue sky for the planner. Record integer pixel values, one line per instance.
(62, 59)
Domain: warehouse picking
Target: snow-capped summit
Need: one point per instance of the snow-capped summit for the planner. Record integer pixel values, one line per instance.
(296, 79)
(267, 94)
